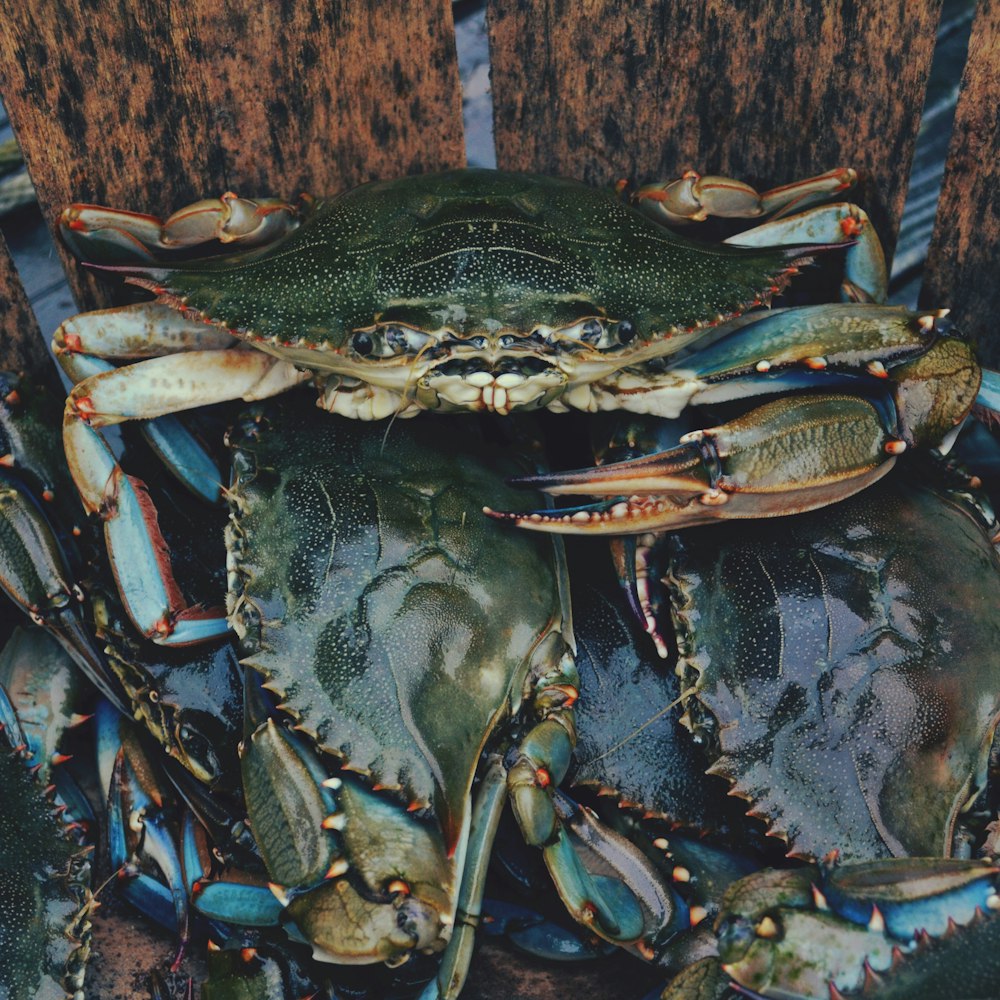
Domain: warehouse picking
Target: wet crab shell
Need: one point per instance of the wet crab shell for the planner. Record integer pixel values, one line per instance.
(398, 632)
(417, 281)
(846, 666)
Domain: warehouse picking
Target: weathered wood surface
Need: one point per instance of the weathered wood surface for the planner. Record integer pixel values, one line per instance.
(148, 105)
(963, 263)
(764, 91)
(20, 339)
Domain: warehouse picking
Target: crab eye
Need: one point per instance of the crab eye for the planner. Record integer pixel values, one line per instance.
(597, 334)
(387, 341)
(587, 331)
(362, 343)
(625, 331)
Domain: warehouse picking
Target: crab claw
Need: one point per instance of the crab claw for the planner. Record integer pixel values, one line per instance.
(788, 456)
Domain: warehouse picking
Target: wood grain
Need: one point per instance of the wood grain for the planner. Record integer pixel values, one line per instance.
(21, 346)
(962, 264)
(147, 104)
(763, 91)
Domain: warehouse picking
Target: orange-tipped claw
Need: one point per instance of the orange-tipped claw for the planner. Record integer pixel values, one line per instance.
(679, 470)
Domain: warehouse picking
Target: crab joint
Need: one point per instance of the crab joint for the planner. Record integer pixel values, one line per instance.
(570, 694)
(83, 407)
(713, 498)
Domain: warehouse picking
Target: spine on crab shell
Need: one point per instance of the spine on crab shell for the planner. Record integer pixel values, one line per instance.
(914, 928)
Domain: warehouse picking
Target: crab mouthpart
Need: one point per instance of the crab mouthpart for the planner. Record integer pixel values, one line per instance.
(514, 384)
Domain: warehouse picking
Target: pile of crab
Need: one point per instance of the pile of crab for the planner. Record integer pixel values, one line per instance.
(755, 748)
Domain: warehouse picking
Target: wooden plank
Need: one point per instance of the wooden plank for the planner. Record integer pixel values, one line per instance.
(21, 346)
(762, 91)
(152, 104)
(962, 270)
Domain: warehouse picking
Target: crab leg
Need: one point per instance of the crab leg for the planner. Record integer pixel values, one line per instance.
(790, 455)
(110, 235)
(457, 958)
(783, 349)
(141, 330)
(176, 447)
(865, 276)
(694, 198)
(628, 908)
(35, 575)
(149, 389)
(781, 458)
(137, 825)
(84, 344)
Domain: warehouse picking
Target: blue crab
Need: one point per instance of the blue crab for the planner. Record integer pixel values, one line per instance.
(384, 571)
(820, 669)
(408, 644)
(483, 291)
(848, 708)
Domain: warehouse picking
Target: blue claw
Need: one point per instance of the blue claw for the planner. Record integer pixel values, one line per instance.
(235, 903)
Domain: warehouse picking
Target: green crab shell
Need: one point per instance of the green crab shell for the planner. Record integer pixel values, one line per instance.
(469, 253)
(629, 738)
(44, 872)
(397, 624)
(848, 662)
